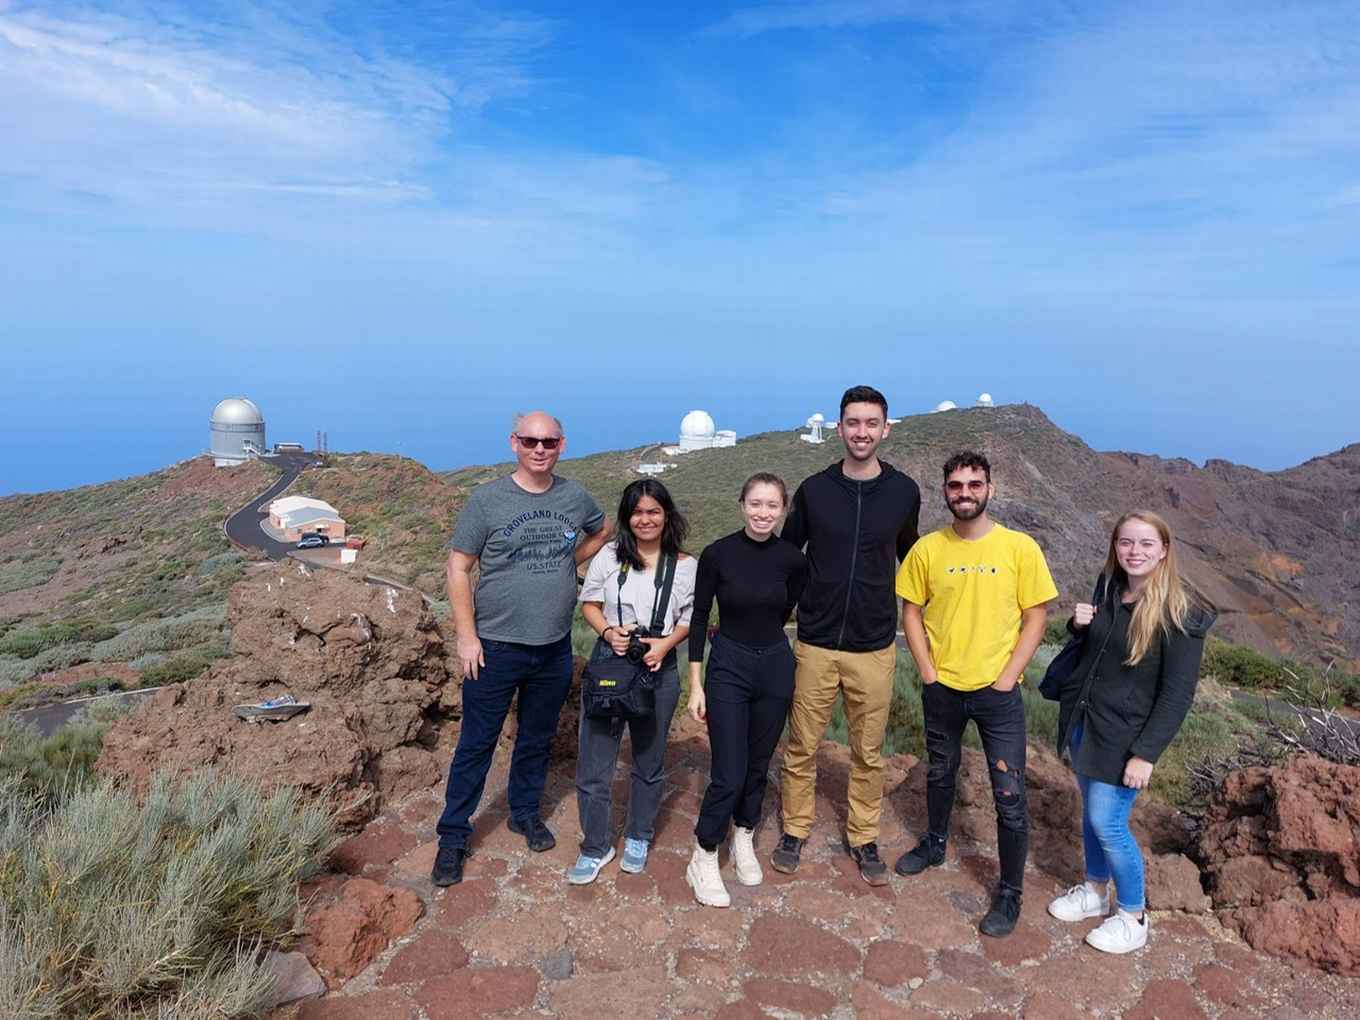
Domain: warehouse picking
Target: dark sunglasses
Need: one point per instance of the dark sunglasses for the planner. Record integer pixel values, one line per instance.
(547, 442)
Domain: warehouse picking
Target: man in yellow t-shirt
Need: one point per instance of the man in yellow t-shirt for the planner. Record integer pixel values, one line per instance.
(975, 604)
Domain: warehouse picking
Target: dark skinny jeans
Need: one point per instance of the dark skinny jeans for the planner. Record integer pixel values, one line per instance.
(748, 692)
(1000, 719)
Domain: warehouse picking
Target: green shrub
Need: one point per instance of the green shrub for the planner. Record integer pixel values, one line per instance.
(30, 573)
(28, 642)
(197, 627)
(114, 908)
(178, 669)
(46, 768)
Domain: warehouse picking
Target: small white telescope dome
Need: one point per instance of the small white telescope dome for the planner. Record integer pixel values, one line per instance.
(945, 405)
(985, 400)
(697, 425)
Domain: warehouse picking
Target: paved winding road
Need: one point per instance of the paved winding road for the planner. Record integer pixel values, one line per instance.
(243, 527)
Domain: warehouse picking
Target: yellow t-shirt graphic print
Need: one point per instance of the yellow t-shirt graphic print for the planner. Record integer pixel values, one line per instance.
(972, 594)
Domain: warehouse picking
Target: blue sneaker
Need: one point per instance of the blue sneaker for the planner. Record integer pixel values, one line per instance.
(634, 855)
(587, 869)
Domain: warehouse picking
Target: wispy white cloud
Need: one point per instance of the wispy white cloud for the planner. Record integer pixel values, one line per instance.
(166, 104)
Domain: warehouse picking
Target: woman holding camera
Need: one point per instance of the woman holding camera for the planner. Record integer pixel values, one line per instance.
(756, 578)
(1121, 707)
(624, 582)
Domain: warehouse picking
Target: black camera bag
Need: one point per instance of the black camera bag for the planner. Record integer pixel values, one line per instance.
(616, 687)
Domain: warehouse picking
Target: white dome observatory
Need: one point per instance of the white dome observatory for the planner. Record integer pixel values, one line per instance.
(697, 431)
(945, 405)
(237, 432)
(985, 400)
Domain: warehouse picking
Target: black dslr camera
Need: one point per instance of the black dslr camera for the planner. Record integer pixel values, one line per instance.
(637, 648)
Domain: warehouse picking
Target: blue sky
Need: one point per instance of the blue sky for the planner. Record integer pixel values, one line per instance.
(400, 222)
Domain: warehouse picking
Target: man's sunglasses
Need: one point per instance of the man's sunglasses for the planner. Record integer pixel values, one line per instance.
(547, 442)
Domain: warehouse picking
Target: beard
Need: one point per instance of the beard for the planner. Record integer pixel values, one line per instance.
(971, 512)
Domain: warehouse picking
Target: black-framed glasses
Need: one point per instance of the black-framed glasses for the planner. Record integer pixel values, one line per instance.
(547, 442)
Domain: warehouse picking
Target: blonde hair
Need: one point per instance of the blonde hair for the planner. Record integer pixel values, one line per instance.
(1164, 601)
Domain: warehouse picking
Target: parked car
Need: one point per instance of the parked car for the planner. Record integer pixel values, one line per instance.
(313, 541)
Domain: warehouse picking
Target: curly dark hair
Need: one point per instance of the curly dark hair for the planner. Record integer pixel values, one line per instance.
(967, 459)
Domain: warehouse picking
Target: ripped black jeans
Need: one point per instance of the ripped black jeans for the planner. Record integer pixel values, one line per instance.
(1000, 719)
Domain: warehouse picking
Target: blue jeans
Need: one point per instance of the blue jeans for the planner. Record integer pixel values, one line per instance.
(598, 753)
(1111, 850)
(541, 676)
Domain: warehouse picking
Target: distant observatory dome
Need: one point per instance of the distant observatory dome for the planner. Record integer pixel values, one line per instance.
(237, 432)
(237, 411)
(697, 425)
(985, 400)
(946, 405)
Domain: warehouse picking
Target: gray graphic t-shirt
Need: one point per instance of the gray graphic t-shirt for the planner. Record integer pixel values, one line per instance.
(525, 542)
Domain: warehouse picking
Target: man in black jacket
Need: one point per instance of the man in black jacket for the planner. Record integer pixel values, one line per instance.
(858, 518)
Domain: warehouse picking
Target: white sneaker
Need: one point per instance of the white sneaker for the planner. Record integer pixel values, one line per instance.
(1080, 902)
(1121, 933)
(744, 857)
(705, 879)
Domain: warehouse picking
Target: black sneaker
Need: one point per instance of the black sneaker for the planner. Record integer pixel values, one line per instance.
(929, 853)
(871, 866)
(535, 833)
(1001, 918)
(786, 854)
(448, 865)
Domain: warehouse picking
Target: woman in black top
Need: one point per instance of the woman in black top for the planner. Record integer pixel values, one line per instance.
(756, 578)
(1122, 706)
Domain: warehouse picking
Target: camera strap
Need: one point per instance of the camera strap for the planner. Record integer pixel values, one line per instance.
(663, 582)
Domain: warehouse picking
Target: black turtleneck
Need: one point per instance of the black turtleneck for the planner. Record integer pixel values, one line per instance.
(757, 584)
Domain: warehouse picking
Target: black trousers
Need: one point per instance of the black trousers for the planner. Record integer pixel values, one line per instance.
(1000, 719)
(748, 692)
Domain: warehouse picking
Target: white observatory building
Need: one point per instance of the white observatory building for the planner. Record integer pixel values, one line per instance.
(697, 432)
(985, 400)
(945, 405)
(814, 434)
(237, 431)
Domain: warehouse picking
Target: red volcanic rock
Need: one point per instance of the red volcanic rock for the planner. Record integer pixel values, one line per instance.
(1281, 846)
(1173, 883)
(346, 936)
(369, 659)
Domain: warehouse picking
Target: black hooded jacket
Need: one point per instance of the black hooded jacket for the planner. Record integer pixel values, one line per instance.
(855, 533)
(1129, 711)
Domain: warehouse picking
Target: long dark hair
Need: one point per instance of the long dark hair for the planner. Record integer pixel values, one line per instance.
(673, 532)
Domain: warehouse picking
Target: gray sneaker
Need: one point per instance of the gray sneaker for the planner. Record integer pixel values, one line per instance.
(634, 855)
(587, 869)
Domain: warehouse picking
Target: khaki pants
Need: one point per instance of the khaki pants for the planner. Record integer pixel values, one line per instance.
(866, 679)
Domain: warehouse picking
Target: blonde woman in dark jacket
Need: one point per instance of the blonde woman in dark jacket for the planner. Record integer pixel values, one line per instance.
(1121, 707)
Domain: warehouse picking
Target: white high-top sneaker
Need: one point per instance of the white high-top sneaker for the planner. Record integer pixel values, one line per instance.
(744, 856)
(705, 879)
(1080, 902)
(1122, 932)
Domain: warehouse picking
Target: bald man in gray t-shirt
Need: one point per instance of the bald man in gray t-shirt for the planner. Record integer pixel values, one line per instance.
(525, 533)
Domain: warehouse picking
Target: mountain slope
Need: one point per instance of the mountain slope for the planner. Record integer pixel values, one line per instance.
(1271, 549)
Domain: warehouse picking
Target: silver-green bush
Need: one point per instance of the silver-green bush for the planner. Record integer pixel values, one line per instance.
(197, 627)
(114, 908)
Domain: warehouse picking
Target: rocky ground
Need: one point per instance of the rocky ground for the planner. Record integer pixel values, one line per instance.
(1280, 852)
(515, 940)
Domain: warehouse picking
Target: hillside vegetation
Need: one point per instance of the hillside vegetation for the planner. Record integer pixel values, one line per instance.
(135, 570)
(401, 507)
(1271, 550)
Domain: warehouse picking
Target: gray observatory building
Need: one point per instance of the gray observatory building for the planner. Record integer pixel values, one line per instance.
(237, 432)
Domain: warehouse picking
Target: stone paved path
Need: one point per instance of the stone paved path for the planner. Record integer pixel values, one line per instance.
(514, 940)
